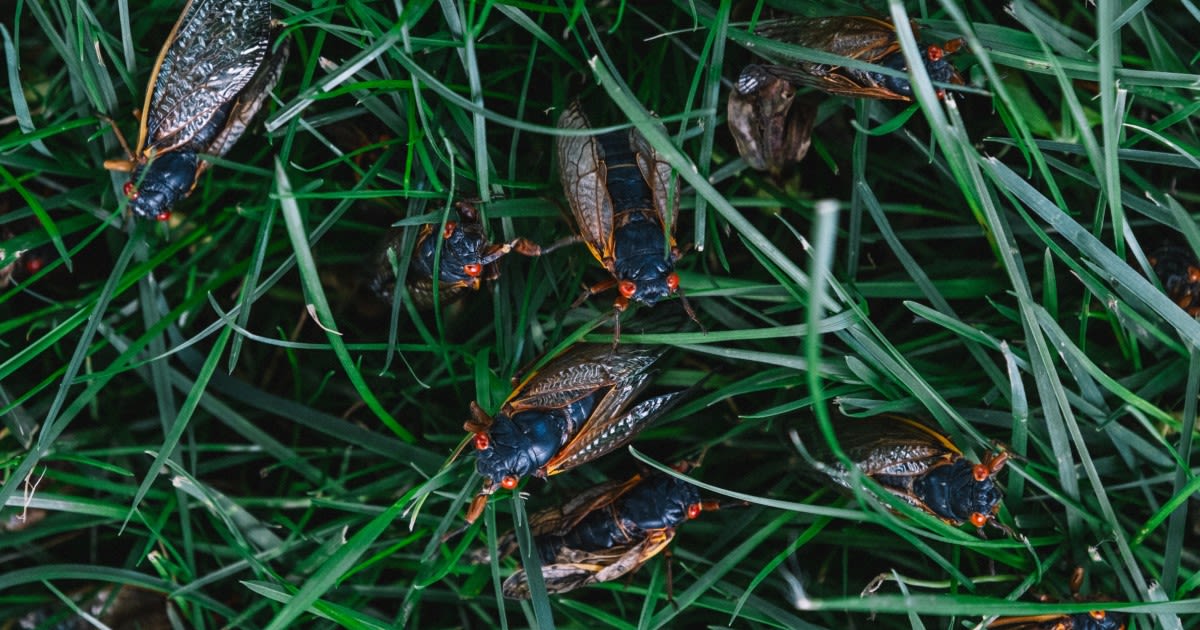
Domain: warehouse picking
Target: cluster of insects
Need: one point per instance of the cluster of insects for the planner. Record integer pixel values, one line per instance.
(222, 60)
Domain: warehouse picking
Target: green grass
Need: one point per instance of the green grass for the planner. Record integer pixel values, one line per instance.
(218, 410)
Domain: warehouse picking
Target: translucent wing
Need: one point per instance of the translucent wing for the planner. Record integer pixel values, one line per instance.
(584, 179)
(249, 103)
(213, 52)
(602, 435)
(663, 182)
(573, 569)
(857, 37)
(578, 372)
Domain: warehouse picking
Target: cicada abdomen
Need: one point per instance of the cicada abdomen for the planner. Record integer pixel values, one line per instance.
(213, 74)
(861, 38)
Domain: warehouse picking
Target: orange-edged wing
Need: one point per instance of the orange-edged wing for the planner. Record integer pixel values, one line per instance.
(573, 569)
(660, 177)
(211, 54)
(857, 37)
(584, 181)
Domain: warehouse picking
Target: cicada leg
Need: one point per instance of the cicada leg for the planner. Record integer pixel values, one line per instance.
(126, 165)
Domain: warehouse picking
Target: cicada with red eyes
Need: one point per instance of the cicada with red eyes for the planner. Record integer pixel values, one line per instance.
(623, 195)
(1091, 620)
(866, 39)
(606, 532)
(917, 463)
(1179, 272)
(466, 259)
(213, 74)
(579, 406)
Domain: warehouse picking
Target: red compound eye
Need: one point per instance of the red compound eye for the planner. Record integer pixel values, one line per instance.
(980, 472)
(979, 520)
(481, 441)
(673, 282)
(131, 191)
(694, 510)
(450, 227)
(509, 482)
(473, 269)
(935, 53)
(165, 215)
(34, 265)
(627, 288)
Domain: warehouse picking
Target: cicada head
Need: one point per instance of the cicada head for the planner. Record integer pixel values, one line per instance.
(508, 452)
(961, 491)
(159, 184)
(937, 66)
(464, 259)
(646, 279)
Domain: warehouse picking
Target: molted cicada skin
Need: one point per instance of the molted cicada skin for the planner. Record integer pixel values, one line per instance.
(770, 126)
(213, 74)
(578, 407)
(861, 38)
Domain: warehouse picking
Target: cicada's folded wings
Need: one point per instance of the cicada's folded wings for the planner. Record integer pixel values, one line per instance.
(573, 569)
(584, 180)
(664, 185)
(250, 102)
(213, 52)
(577, 372)
(603, 435)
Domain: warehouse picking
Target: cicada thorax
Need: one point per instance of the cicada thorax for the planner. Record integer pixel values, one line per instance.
(213, 74)
(1094, 620)
(1179, 272)
(866, 39)
(918, 464)
(578, 407)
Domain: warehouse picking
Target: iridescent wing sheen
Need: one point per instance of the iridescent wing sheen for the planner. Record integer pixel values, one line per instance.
(584, 181)
(212, 53)
(889, 445)
(250, 101)
(578, 372)
(856, 37)
(664, 184)
(603, 434)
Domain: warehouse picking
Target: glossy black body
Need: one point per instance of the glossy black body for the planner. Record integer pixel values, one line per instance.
(656, 503)
(528, 440)
(163, 182)
(1109, 620)
(939, 70)
(638, 249)
(951, 491)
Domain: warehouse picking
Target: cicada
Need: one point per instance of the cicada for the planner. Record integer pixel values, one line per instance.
(606, 532)
(770, 126)
(920, 465)
(212, 75)
(578, 407)
(467, 258)
(1092, 620)
(1179, 272)
(867, 39)
(622, 194)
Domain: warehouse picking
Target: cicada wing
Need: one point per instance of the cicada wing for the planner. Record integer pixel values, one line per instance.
(584, 180)
(887, 445)
(573, 568)
(250, 101)
(664, 184)
(559, 520)
(559, 578)
(602, 435)
(636, 556)
(578, 372)
(857, 37)
(213, 52)
(1034, 622)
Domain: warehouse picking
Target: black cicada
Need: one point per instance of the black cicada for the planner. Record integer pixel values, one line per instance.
(621, 193)
(770, 126)
(211, 77)
(606, 532)
(918, 464)
(1179, 272)
(467, 258)
(861, 38)
(1092, 620)
(573, 410)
